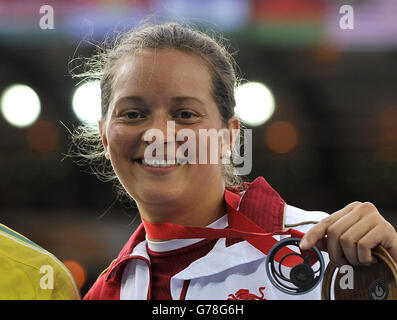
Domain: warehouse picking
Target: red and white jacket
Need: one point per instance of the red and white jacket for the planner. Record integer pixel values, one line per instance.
(229, 270)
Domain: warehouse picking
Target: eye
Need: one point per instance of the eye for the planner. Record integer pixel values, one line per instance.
(134, 115)
(186, 114)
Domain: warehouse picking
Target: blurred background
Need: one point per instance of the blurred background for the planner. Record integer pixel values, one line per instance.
(323, 110)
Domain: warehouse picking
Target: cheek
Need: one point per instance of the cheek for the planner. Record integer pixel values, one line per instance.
(122, 142)
(208, 145)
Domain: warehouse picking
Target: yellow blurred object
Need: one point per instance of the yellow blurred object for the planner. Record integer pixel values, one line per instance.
(29, 272)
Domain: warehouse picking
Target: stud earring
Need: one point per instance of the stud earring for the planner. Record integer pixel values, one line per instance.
(226, 157)
(107, 155)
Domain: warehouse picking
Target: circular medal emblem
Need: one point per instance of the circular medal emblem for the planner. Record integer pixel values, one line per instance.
(378, 290)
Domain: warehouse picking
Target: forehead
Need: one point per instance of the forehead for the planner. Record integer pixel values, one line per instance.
(162, 72)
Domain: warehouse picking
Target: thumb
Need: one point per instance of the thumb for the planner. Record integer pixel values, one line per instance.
(393, 251)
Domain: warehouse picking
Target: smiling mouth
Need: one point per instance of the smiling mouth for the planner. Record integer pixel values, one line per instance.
(160, 163)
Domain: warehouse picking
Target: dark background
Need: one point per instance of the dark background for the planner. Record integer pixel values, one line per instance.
(336, 87)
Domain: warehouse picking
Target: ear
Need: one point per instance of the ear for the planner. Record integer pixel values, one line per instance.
(230, 134)
(234, 129)
(102, 132)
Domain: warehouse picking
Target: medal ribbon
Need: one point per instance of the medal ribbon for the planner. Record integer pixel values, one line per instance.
(240, 227)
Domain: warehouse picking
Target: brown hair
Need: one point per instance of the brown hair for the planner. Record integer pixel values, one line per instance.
(86, 141)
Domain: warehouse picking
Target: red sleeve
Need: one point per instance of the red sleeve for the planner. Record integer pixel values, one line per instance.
(104, 290)
(108, 287)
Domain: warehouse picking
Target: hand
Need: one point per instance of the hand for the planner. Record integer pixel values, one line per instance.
(349, 234)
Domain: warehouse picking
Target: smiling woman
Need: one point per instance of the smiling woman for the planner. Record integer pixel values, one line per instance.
(204, 234)
(111, 66)
(156, 80)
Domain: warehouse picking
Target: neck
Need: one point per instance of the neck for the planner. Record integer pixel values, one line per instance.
(200, 210)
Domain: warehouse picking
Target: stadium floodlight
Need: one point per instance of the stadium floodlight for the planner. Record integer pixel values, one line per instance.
(254, 103)
(20, 105)
(86, 102)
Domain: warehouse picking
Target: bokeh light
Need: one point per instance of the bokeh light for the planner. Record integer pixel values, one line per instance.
(281, 137)
(20, 105)
(42, 137)
(387, 133)
(78, 271)
(86, 102)
(255, 103)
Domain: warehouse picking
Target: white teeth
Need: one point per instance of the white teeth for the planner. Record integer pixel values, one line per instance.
(182, 161)
(162, 163)
(158, 163)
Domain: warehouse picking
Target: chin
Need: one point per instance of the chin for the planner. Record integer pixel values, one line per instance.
(157, 193)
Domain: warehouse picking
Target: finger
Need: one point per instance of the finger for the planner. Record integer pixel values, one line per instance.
(349, 240)
(393, 250)
(342, 237)
(383, 234)
(365, 246)
(320, 229)
(390, 242)
(321, 244)
(335, 252)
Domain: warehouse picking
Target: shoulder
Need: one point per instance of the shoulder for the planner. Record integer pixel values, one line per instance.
(102, 289)
(300, 219)
(107, 285)
(33, 272)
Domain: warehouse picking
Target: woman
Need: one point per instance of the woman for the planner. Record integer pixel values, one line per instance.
(164, 74)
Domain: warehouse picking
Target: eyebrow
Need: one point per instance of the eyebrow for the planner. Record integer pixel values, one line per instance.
(186, 98)
(139, 99)
(130, 98)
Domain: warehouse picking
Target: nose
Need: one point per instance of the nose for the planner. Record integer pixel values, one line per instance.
(161, 130)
